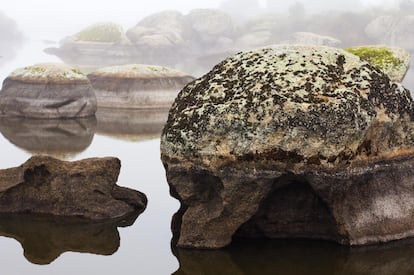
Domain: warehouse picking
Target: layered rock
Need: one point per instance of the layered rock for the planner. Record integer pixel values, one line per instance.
(60, 138)
(137, 86)
(391, 60)
(291, 141)
(84, 189)
(47, 90)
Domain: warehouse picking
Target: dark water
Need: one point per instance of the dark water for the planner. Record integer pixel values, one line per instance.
(31, 245)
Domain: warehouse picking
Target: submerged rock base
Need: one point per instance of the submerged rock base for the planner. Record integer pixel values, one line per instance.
(369, 203)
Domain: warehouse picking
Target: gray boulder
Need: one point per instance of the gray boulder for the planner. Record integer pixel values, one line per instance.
(291, 141)
(162, 29)
(84, 189)
(137, 86)
(47, 90)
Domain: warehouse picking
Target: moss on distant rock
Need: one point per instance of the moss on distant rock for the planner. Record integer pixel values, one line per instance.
(393, 61)
(101, 32)
(49, 72)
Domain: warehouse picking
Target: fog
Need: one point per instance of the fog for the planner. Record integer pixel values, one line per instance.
(51, 20)
(242, 25)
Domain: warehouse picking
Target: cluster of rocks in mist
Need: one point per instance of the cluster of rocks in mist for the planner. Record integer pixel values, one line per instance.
(198, 40)
(53, 90)
(291, 142)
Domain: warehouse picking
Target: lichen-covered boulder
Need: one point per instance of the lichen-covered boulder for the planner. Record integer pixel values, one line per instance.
(47, 90)
(391, 60)
(291, 141)
(84, 189)
(137, 86)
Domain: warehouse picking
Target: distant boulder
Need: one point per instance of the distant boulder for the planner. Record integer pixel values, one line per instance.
(47, 90)
(210, 24)
(162, 29)
(308, 38)
(137, 86)
(104, 32)
(391, 60)
(393, 31)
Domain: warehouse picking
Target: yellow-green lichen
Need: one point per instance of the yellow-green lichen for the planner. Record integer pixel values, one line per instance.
(35, 69)
(101, 32)
(380, 57)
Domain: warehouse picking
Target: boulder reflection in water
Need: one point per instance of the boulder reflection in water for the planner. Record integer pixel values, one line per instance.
(131, 124)
(245, 257)
(45, 238)
(55, 137)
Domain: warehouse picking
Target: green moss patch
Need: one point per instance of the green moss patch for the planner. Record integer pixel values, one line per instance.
(380, 57)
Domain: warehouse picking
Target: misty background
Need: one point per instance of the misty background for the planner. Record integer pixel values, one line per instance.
(29, 27)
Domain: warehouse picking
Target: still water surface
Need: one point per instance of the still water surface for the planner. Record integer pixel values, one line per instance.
(30, 246)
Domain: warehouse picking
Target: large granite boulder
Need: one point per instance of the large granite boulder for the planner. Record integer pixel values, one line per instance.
(84, 189)
(391, 60)
(391, 30)
(47, 90)
(291, 141)
(137, 86)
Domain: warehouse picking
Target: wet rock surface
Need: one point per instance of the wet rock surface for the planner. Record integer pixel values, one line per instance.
(137, 86)
(82, 189)
(291, 141)
(47, 90)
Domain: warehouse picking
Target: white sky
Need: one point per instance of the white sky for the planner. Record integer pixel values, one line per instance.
(54, 19)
